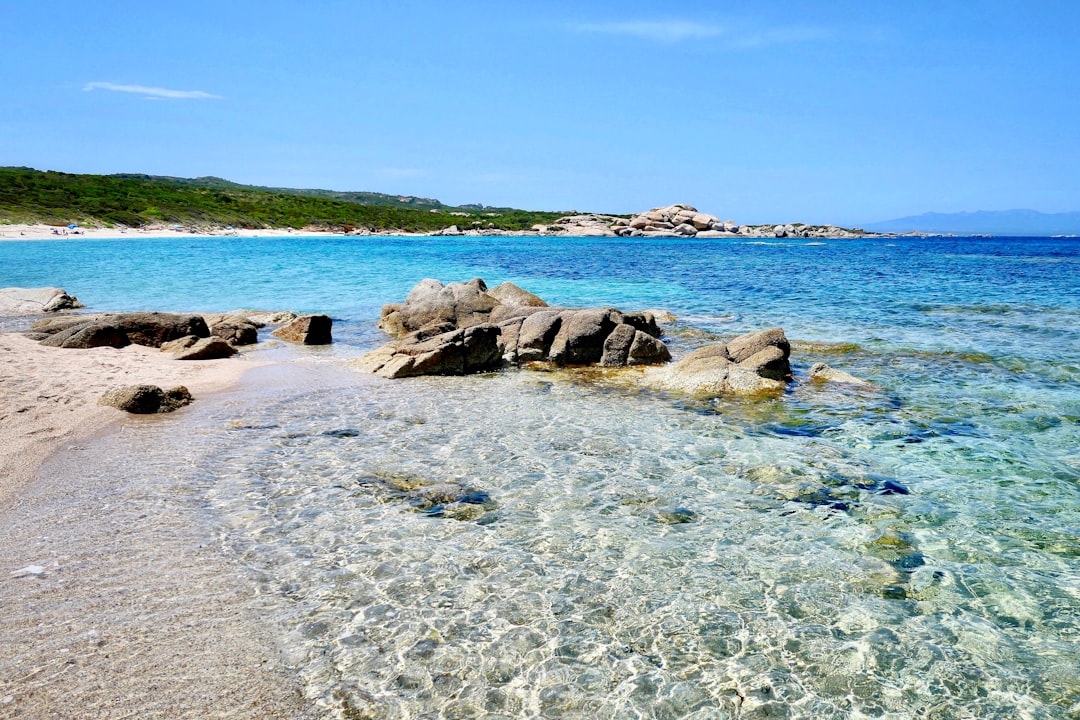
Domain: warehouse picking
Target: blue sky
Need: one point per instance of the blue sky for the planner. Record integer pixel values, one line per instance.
(838, 111)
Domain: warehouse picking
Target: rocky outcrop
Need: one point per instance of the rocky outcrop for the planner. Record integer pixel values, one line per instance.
(307, 330)
(674, 221)
(564, 337)
(525, 329)
(32, 301)
(146, 399)
(680, 220)
(752, 364)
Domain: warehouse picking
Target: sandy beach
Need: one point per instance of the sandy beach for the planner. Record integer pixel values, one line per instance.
(49, 232)
(106, 613)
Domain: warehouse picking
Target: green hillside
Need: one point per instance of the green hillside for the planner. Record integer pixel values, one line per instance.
(29, 196)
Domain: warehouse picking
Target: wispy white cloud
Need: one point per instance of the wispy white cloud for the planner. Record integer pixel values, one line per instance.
(662, 30)
(735, 38)
(780, 36)
(152, 92)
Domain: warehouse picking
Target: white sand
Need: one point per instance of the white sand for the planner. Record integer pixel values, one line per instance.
(45, 232)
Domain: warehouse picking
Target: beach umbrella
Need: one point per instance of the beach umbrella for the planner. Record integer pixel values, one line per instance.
(72, 226)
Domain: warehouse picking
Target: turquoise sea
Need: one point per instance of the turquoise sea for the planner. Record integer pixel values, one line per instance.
(906, 552)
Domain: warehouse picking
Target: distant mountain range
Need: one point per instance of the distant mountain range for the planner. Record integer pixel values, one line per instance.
(996, 222)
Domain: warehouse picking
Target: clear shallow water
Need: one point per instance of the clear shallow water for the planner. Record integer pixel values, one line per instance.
(908, 552)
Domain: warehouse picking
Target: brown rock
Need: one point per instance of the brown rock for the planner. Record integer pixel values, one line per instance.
(647, 350)
(307, 330)
(88, 335)
(146, 399)
(537, 333)
(580, 340)
(179, 344)
(617, 346)
(211, 348)
(236, 332)
(153, 328)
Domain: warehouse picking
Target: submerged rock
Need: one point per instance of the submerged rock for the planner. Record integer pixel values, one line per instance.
(820, 372)
(751, 364)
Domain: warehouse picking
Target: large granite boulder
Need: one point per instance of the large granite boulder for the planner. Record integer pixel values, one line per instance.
(88, 335)
(153, 328)
(142, 328)
(752, 364)
(457, 351)
(463, 304)
(307, 330)
(32, 301)
(581, 336)
(146, 399)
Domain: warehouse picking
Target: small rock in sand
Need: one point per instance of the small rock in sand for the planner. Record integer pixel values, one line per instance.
(146, 399)
(29, 571)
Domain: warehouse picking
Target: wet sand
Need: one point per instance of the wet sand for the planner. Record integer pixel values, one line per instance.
(115, 604)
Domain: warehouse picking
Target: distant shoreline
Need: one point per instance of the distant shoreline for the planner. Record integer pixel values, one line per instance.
(39, 231)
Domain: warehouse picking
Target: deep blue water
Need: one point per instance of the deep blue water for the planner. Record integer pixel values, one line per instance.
(912, 551)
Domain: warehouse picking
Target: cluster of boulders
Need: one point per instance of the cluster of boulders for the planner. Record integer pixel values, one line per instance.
(461, 328)
(676, 220)
(681, 220)
(188, 337)
(465, 327)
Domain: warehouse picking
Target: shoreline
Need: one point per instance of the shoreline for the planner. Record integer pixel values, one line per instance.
(116, 603)
(35, 232)
(50, 396)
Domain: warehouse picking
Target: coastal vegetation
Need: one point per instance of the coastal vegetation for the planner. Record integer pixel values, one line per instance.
(55, 198)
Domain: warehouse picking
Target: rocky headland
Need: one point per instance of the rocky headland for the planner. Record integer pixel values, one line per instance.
(679, 220)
